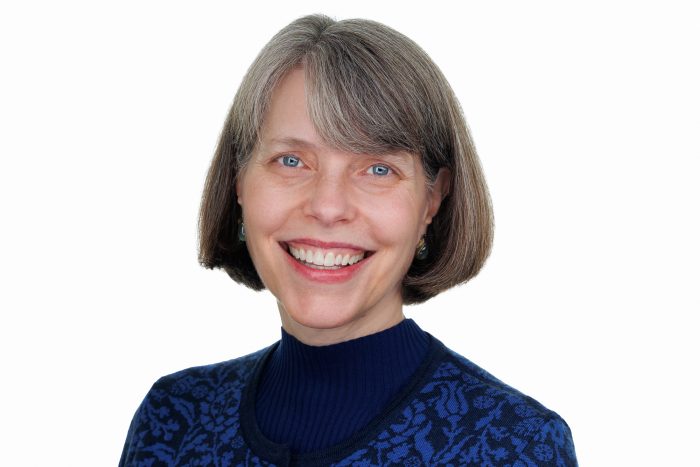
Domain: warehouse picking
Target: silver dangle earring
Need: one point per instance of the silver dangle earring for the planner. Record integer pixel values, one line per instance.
(241, 231)
(422, 249)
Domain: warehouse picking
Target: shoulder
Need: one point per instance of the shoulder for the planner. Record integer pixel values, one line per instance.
(185, 413)
(485, 389)
(494, 421)
(195, 389)
(196, 382)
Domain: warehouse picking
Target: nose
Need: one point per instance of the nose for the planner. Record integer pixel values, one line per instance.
(329, 200)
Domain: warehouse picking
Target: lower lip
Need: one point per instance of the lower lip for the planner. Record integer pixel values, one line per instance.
(326, 276)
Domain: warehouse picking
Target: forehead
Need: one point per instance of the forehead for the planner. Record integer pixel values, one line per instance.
(287, 123)
(287, 113)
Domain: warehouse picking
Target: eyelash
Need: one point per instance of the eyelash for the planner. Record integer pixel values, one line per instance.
(285, 159)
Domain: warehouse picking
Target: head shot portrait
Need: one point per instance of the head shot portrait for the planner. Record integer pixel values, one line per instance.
(349, 233)
(346, 183)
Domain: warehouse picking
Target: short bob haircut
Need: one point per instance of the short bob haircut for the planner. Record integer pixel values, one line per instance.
(370, 90)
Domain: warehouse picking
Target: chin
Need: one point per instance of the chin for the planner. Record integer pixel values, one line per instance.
(323, 314)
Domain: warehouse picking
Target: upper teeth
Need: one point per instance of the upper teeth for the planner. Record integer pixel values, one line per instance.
(319, 258)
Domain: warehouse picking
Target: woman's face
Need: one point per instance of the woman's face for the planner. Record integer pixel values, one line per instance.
(331, 233)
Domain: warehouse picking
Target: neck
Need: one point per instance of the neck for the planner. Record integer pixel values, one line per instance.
(342, 332)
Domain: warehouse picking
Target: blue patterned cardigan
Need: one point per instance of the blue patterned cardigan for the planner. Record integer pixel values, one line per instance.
(451, 413)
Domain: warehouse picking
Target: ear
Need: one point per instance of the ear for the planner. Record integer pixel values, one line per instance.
(437, 193)
(238, 184)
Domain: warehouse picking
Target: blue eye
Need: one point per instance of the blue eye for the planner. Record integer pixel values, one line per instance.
(380, 170)
(291, 161)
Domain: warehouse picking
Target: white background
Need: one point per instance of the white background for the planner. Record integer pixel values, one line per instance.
(585, 115)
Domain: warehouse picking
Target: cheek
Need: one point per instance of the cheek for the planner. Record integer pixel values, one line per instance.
(395, 220)
(265, 212)
(264, 208)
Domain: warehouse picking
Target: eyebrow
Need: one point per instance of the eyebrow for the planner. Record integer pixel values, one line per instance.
(291, 141)
(302, 143)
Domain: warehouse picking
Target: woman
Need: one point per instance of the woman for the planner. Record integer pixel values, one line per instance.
(346, 183)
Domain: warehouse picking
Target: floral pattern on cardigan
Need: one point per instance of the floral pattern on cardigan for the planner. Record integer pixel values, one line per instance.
(454, 414)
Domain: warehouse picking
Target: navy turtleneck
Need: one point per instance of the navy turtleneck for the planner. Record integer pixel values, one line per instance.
(311, 398)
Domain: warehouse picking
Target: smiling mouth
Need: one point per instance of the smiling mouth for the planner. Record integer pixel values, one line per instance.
(319, 258)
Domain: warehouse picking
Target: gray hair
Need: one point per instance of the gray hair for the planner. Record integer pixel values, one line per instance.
(370, 90)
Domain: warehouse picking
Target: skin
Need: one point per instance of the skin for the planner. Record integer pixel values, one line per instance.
(297, 187)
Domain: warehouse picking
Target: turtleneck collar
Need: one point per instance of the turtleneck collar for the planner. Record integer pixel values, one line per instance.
(362, 355)
(312, 397)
